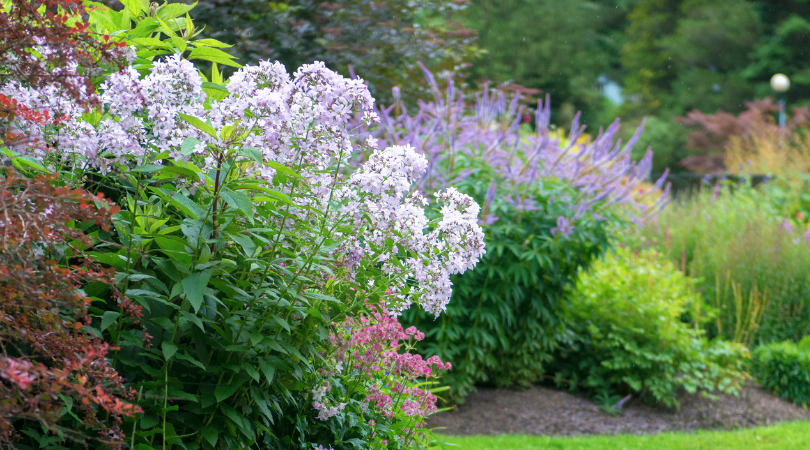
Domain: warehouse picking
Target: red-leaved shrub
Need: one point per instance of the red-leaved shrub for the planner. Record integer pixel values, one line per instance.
(52, 371)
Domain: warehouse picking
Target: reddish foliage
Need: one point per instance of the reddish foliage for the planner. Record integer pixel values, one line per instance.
(711, 132)
(41, 47)
(44, 351)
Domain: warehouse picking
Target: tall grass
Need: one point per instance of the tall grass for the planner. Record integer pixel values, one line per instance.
(752, 266)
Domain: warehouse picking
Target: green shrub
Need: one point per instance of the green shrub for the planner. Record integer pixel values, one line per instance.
(503, 324)
(734, 234)
(625, 315)
(784, 369)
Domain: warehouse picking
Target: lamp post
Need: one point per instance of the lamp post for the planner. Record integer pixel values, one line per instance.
(780, 83)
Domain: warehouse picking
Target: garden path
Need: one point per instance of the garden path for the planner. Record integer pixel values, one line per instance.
(547, 411)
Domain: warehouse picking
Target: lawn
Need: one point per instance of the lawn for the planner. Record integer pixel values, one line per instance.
(786, 436)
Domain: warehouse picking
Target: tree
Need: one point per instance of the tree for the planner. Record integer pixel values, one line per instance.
(381, 42)
(559, 47)
(784, 51)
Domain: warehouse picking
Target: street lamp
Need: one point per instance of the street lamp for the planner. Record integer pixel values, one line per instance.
(780, 83)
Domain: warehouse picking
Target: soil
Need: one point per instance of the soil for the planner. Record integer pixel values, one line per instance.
(546, 411)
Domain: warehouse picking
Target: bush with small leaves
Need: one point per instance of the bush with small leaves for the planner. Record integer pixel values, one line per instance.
(628, 337)
(784, 369)
(56, 386)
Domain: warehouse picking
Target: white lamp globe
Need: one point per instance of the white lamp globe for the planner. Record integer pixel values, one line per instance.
(780, 83)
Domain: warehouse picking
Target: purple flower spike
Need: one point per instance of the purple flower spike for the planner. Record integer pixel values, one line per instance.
(563, 228)
(488, 125)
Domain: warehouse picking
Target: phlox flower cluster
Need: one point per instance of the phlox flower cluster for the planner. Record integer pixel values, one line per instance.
(319, 400)
(299, 121)
(488, 128)
(453, 246)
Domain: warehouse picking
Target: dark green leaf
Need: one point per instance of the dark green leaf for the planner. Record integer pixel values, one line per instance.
(194, 286)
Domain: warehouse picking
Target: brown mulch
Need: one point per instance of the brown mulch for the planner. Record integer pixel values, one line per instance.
(546, 411)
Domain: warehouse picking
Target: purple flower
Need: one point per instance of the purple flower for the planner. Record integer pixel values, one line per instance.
(563, 227)
(487, 126)
(787, 226)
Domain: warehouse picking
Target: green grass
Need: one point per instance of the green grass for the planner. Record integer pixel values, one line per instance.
(787, 436)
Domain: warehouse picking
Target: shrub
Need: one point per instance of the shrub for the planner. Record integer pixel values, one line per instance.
(628, 337)
(734, 233)
(747, 142)
(56, 386)
(503, 323)
(49, 44)
(252, 250)
(547, 205)
(784, 369)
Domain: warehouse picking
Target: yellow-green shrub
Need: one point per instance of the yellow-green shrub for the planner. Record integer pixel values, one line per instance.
(630, 339)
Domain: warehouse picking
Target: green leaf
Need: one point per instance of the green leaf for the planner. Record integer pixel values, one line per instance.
(213, 55)
(179, 43)
(173, 171)
(199, 124)
(267, 369)
(245, 241)
(151, 42)
(144, 28)
(211, 43)
(108, 319)
(223, 392)
(215, 87)
(190, 359)
(133, 6)
(282, 322)
(251, 371)
(186, 205)
(188, 145)
(317, 296)
(216, 75)
(238, 200)
(238, 419)
(169, 350)
(22, 162)
(194, 286)
(172, 10)
(252, 153)
(171, 243)
(211, 435)
(226, 132)
(149, 420)
(283, 169)
(148, 168)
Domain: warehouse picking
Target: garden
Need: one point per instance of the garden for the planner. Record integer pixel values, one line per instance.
(369, 225)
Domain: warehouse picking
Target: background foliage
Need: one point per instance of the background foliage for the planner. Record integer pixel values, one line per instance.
(735, 234)
(667, 56)
(380, 41)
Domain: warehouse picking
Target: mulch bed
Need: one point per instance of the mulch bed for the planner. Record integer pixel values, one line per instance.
(546, 411)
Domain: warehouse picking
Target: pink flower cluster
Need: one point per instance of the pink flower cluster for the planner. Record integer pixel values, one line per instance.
(416, 402)
(370, 347)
